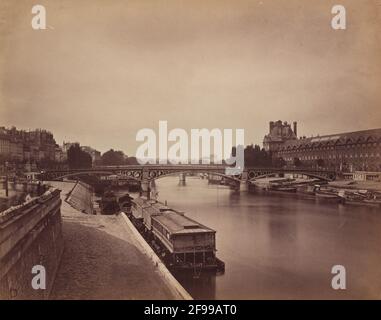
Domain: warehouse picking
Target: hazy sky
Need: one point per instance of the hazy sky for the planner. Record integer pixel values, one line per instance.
(106, 68)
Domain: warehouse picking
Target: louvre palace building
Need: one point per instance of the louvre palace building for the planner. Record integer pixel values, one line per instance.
(343, 152)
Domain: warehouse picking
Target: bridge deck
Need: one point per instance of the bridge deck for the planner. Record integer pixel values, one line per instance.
(151, 172)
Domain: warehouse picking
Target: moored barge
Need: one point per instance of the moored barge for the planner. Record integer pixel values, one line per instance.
(109, 203)
(182, 243)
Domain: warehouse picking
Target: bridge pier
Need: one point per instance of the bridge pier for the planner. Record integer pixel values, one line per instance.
(182, 177)
(146, 190)
(244, 186)
(241, 186)
(153, 190)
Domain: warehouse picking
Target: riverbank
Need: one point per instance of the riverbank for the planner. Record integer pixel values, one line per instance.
(103, 260)
(356, 185)
(173, 284)
(345, 191)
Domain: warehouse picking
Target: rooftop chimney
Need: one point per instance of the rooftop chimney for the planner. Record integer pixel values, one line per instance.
(295, 129)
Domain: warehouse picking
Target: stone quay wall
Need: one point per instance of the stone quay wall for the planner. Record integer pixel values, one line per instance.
(30, 235)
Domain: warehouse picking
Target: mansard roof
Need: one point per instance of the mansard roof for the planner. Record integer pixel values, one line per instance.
(364, 136)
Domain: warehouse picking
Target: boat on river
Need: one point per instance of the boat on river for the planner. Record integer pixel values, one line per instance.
(283, 188)
(361, 197)
(284, 185)
(109, 203)
(181, 242)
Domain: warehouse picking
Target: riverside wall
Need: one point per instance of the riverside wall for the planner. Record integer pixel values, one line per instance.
(30, 235)
(176, 288)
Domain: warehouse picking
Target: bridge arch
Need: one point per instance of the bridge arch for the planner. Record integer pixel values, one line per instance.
(155, 177)
(54, 176)
(150, 173)
(260, 175)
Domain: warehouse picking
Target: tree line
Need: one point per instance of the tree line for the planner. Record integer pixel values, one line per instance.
(79, 159)
(255, 156)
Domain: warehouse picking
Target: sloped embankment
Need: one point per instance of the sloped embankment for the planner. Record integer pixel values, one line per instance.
(80, 198)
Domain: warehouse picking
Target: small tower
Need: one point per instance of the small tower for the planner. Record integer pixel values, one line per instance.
(295, 128)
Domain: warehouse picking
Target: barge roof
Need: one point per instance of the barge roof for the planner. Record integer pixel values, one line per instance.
(142, 202)
(179, 224)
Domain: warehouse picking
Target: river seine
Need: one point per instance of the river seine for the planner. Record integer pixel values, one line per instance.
(280, 246)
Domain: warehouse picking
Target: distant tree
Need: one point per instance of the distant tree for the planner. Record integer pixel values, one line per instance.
(131, 161)
(256, 157)
(77, 158)
(279, 162)
(320, 162)
(297, 162)
(113, 158)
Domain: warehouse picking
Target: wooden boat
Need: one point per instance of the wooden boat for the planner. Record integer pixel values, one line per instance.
(362, 197)
(283, 188)
(327, 194)
(306, 189)
(373, 202)
(284, 185)
(109, 203)
(182, 243)
(125, 203)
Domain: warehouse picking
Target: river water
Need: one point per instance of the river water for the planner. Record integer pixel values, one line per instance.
(280, 246)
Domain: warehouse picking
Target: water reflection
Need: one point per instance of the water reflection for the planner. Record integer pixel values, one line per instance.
(203, 285)
(280, 246)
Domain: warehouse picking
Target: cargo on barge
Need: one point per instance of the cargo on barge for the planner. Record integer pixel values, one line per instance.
(109, 203)
(182, 243)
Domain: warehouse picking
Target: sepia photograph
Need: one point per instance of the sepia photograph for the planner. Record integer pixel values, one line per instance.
(166, 150)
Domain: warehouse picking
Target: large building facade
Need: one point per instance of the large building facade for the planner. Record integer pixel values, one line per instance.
(279, 133)
(344, 152)
(26, 146)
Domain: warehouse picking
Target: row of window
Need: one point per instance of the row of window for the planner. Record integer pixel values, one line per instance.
(356, 155)
(160, 228)
(348, 146)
